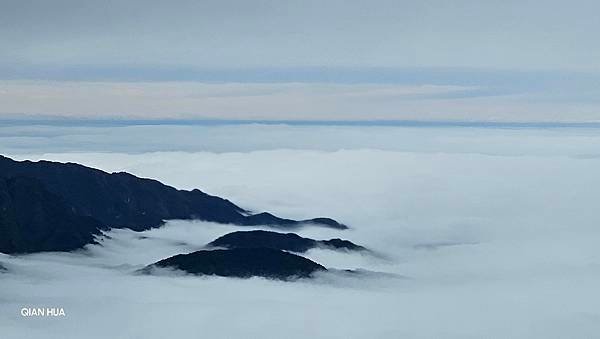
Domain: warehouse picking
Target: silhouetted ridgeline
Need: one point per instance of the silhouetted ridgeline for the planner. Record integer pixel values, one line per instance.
(242, 263)
(34, 219)
(280, 241)
(51, 206)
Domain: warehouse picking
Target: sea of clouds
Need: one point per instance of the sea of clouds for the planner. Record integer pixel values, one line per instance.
(486, 232)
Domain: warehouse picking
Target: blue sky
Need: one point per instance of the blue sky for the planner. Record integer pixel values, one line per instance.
(341, 60)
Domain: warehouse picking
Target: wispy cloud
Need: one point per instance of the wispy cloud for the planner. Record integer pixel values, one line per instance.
(293, 101)
(201, 100)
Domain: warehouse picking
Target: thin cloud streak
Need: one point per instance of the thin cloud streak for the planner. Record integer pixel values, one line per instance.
(287, 101)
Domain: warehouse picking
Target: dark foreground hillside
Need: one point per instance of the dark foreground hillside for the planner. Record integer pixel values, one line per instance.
(51, 206)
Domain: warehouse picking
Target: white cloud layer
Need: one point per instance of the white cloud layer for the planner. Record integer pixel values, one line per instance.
(494, 244)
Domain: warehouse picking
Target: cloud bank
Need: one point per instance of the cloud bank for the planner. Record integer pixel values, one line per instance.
(497, 244)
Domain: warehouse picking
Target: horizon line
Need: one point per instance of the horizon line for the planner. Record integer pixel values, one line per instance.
(123, 122)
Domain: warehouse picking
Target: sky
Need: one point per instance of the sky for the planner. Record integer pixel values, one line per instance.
(480, 226)
(300, 60)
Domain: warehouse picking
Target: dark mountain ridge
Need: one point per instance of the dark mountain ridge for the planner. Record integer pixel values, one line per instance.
(33, 219)
(242, 263)
(280, 241)
(70, 203)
